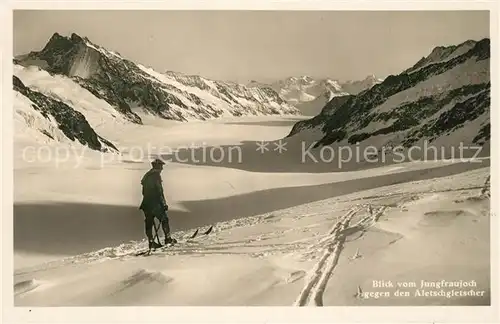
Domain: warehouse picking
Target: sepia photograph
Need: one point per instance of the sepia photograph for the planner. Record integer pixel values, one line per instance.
(251, 158)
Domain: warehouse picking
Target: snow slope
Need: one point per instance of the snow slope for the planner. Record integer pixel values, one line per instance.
(28, 122)
(59, 87)
(315, 254)
(44, 119)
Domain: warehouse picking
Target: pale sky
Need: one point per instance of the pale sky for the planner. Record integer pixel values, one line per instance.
(260, 45)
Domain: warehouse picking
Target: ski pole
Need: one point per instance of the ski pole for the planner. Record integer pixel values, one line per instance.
(156, 231)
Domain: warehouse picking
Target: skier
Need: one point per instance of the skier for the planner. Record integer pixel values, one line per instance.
(153, 203)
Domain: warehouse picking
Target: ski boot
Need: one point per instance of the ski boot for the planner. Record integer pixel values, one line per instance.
(170, 241)
(153, 245)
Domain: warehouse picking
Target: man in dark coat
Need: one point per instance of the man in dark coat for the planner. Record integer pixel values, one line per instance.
(153, 203)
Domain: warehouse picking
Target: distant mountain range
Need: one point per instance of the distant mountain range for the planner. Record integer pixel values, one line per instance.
(310, 95)
(65, 91)
(443, 99)
(126, 88)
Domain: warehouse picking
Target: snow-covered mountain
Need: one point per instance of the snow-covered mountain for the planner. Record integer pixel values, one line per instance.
(297, 90)
(37, 114)
(310, 95)
(443, 53)
(443, 98)
(124, 87)
(355, 87)
(313, 107)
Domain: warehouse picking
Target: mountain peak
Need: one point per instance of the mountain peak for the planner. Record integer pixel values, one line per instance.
(373, 79)
(307, 78)
(56, 35)
(57, 41)
(445, 53)
(73, 37)
(60, 42)
(76, 38)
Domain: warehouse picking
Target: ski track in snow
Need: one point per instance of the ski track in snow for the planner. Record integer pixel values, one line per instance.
(316, 283)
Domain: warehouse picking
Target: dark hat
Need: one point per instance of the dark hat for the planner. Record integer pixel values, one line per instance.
(157, 162)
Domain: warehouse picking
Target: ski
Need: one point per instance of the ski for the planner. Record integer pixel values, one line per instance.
(208, 230)
(148, 251)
